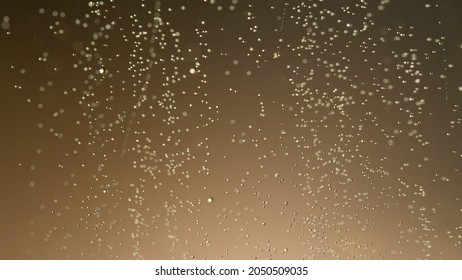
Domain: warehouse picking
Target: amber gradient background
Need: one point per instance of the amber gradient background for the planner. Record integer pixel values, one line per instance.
(92, 166)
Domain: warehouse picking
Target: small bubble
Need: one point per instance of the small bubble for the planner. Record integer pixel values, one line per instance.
(103, 71)
(210, 199)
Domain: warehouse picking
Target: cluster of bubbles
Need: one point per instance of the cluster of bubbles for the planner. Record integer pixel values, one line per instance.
(250, 129)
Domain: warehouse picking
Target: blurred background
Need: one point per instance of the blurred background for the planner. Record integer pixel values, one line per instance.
(231, 129)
